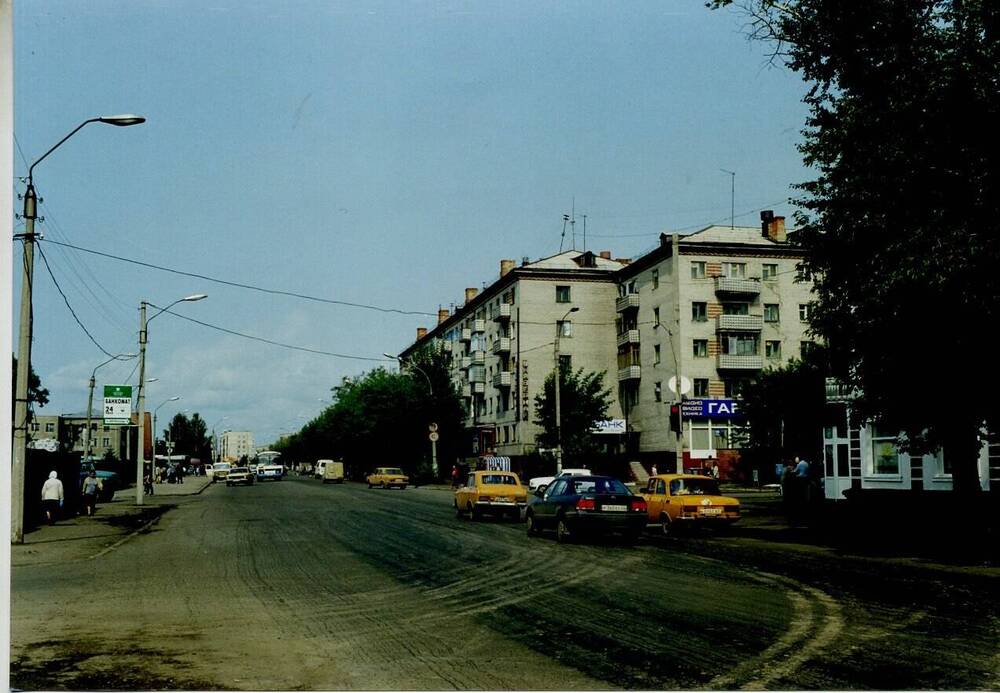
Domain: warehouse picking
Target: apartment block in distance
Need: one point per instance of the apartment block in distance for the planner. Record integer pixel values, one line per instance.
(236, 444)
(502, 342)
(716, 306)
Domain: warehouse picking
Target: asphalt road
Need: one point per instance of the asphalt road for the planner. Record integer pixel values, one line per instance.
(300, 585)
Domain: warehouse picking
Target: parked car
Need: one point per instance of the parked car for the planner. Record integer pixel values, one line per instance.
(540, 482)
(496, 493)
(586, 505)
(688, 500)
(240, 475)
(220, 470)
(387, 477)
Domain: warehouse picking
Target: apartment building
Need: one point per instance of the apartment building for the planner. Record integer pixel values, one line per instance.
(716, 306)
(68, 430)
(236, 444)
(503, 340)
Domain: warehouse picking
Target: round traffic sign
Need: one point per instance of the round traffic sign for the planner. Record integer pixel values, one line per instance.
(433, 435)
(432, 427)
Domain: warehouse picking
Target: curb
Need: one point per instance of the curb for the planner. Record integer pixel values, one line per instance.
(128, 536)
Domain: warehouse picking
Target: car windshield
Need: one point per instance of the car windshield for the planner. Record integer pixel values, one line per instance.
(499, 479)
(694, 487)
(221, 466)
(597, 486)
(392, 470)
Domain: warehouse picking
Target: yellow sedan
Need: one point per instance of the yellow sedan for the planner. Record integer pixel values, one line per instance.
(688, 500)
(387, 477)
(495, 493)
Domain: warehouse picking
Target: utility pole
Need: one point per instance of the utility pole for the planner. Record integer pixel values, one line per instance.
(23, 370)
(557, 382)
(140, 457)
(732, 199)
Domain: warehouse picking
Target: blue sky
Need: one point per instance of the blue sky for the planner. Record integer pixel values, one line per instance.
(381, 153)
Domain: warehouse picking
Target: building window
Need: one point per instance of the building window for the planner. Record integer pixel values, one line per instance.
(701, 348)
(805, 312)
(655, 278)
(656, 354)
(565, 328)
(701, 387)
(656, 317)
(805, 348)
(769, 272)
(771, 312)
(629, 396)
(885, 454)
(699, 311)
(734, 270)
(106, 442)
(34, 426)
(698, 269)
(772, 349)
(735, 387)
(562, 294)
(801, 273)
(732, 308)
(50, 427)
(565, 363)
(658, 391)
(740, 344)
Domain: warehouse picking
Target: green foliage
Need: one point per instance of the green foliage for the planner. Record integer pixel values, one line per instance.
(36, 393)
(381, 418)
(583, 401)
(900, 223)
(189, 436)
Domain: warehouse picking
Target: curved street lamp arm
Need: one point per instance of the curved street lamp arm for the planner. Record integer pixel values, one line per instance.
(57, 145)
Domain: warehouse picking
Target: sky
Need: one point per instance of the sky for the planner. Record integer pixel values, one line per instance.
(385, 154)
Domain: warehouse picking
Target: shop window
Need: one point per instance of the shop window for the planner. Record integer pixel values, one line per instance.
(885, 451)
(700, 439)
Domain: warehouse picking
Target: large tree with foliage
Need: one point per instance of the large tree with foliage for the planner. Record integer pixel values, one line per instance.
(36, 393)
(900, 223)
(583, 401)
(189, 436)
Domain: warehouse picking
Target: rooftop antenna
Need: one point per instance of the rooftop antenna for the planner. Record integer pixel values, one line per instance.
(732, 199)
(572, 222)
(563, 237)
(584, 233)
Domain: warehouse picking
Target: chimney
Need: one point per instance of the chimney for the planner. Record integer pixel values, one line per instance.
(506, 266)
(772, 227)
(470, 294)
(421, 333)
(606, 254)
(442, 315)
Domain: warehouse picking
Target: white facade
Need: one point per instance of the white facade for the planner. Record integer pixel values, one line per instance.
(235, 444)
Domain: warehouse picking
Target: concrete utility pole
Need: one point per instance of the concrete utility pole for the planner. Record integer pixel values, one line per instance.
(558, 384)
(20, 451)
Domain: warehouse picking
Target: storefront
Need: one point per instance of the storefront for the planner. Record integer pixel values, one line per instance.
(713, 430)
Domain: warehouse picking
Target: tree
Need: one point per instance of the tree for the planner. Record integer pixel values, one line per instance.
(583, 401)
(36, 393)
(899, 224)
(189, 436)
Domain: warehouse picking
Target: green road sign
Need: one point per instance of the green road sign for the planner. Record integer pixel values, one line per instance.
(117, 405)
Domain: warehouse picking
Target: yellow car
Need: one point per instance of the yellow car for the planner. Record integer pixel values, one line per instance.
(387, 477)
(688, 500)
(497, 493)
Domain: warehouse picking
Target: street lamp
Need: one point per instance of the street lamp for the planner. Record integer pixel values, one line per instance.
(215, 439)
(90, 400)
(679, 395)
(558, 383)
(140, 461)
(171, 399)
(20, 448)
(430, 388)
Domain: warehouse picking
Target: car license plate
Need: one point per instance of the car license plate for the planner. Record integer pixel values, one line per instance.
(502, 499)
(614, 508)
(710, 511)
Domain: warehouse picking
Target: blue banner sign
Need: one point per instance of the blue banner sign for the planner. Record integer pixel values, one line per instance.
(710, 409)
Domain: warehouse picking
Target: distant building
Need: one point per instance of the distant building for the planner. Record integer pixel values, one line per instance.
(233, 445)
(68, 431)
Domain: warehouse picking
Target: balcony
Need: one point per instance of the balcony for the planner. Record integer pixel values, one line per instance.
(464, 363)
(465, 335)
(478, 388)
(478, 358)
(735, 286)
(502, 346)
(740, 323)
(477, 375)
(736, 362)
(628, 337)
(837, 391)
(467, 390)
(502, 379)
(629, 373)
(627, 302)
(478, 326)
(501, 312)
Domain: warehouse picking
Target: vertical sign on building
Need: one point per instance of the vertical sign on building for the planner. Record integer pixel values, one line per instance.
(117, 405)
(525, 398)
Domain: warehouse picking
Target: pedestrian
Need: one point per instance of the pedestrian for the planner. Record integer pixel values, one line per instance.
(653, 471)
(801, 468)
(454, 476)
(52, 497)
(714, 473)
(147, 484)
(89, 489)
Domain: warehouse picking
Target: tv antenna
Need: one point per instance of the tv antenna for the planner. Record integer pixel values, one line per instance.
(563, 237)
(732, 199)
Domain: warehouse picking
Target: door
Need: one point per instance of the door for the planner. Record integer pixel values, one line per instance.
(656, 497)
(836, 462)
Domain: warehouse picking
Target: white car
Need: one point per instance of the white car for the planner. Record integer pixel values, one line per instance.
(536, 482)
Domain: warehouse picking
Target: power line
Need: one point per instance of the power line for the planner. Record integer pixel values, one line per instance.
(270, 341)
(239, 285)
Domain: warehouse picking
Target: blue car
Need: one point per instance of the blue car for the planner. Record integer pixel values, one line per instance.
(577, 506)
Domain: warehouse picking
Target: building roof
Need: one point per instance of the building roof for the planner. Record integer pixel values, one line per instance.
(567, 260)
(744, 235)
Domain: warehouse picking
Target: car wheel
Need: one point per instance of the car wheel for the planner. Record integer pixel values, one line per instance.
(369, 484)
(458, 511)
(563, 535)
(665, 525)
(531, 525)
(403, 487)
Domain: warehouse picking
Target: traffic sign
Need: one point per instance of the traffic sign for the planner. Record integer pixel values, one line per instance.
(117, 405)
(685, 385)
(433, 436)
(432, 427)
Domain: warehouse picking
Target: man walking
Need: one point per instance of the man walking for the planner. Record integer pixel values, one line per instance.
(52, 497)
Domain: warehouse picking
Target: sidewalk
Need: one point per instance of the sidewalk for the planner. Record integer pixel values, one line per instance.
(83, 537)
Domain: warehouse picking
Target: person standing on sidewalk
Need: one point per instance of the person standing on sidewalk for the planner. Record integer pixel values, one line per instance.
(89, 490)
(147, 484)
(52, 497)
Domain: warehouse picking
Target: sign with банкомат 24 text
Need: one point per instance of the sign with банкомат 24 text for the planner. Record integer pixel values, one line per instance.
(117, 405)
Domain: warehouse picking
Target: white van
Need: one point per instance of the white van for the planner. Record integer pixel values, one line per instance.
(319, 471)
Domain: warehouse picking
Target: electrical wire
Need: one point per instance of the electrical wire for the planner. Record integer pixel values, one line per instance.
(270, 341)
(279, 292)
